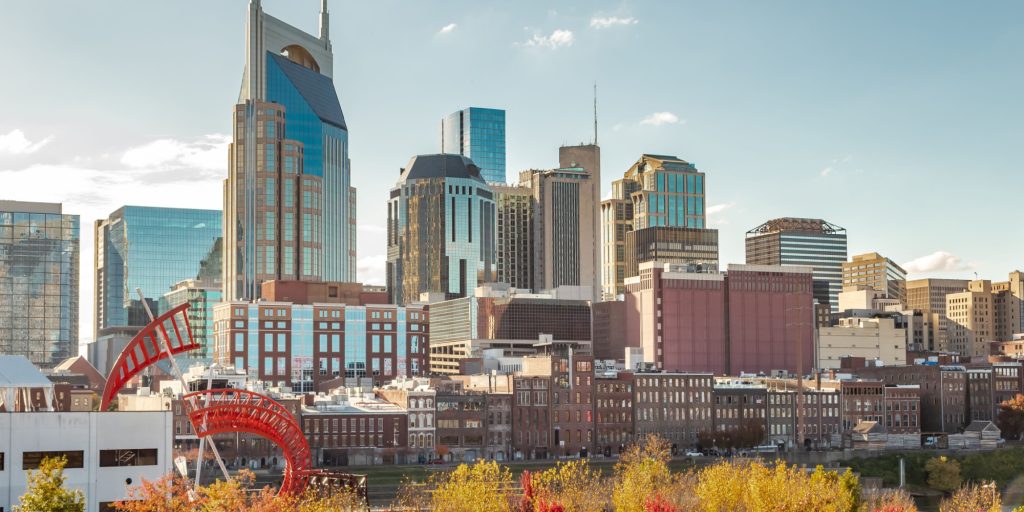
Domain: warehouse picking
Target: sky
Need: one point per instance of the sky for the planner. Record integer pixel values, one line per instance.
(899, 121)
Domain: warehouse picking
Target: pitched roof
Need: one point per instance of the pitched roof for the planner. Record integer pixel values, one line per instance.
(440, 166)
(316, 89)
(18, 372)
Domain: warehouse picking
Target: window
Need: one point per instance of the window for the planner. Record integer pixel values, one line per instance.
(130, 457)
(31, 460)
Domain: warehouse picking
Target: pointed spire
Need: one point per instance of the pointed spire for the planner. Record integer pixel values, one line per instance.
(325, 21)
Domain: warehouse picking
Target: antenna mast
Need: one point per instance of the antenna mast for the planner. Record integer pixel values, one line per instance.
(595, 113)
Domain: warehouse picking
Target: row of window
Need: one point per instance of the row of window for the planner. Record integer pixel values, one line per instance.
(76, 458)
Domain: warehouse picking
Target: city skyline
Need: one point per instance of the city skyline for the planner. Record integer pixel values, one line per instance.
(791, 120)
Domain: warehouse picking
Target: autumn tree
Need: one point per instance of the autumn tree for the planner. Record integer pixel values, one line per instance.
(888, 500)
(573, 486)
(45, 491)
(482, 487)
(168, 494)
(973, 498)
(1011, 417)
(943, 473)
(641, 472)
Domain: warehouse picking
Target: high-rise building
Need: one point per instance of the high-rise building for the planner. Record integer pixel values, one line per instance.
(150, 249)
(563, 220)
(971, 318)
(201, 296)
(441, 224)
(656, 213)
(874, 339)
(478, 134)
(872, 270)
(588, 158)
(811, 242)
(514, 206)
(39, 250)
(1009, 306)
(289, 206)
(929, 297)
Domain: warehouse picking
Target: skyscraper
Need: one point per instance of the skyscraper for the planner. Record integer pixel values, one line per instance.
(441, 229)
(563, 217)
(479, 134)
(39, 250)
(588, 158)
(929, 297)
(811, 242)
(656, 213)
(514, 265)
(290, 143)
(150, 249)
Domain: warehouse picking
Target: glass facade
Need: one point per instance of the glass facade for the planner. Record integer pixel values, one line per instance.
(477, 133)
(151, 249)
(39, 251)
(201, 296)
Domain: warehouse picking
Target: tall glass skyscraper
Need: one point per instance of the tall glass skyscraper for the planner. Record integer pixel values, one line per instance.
(291, 142)
(479, 134)
(441, 229)
(151, 249)
(39, 249)
(811, 242)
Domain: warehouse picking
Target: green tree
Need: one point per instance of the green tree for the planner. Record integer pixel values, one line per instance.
(943, 473)
(1011, 417)
(46, 492)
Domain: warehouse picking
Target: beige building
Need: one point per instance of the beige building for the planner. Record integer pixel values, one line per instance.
(872, 270)
(929, 297)
(971, 319)
(1009, 306)
(514, 210)
(870, 338)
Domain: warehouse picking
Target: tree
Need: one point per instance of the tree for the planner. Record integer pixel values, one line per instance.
(1011, 417)
(973, 498)
(46, 492)
(943, 473)
(168, 494)
(888, 500)
(574, 486)
(482, 487)
(642, 471)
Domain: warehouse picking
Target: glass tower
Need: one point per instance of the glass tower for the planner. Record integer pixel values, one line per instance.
(39, 248)
(287, 83)
(151, 249)
(441, 229)
(479, 134)
(811, 242)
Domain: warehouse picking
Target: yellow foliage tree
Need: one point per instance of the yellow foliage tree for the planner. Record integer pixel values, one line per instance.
(755, 487)
(574, 485)
(973, 498)
(482, 487)
(641, 473)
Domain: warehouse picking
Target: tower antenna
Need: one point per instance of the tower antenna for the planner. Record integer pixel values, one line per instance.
(595, 113)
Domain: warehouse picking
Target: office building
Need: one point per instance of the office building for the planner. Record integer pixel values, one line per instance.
(811, 242)
(498, 317)
(874, 271)
(879, 340)
(588, 158)
(971, 318)
(478, 134)
(563, 237)
(39, 250)
(201, 297)
(289, 206)
(1008, 301)
(751, 319)
(441, 229)
(656, 213)
(514, 207)
(303, 345)
(350, 425)
(929, 297)
(150, 249)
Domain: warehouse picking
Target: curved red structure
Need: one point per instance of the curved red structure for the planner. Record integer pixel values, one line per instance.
(147, 347)
(217, 411)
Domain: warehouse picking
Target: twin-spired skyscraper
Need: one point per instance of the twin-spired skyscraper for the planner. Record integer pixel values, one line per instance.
(289, 206)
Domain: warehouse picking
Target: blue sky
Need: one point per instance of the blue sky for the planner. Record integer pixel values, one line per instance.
(886, 118)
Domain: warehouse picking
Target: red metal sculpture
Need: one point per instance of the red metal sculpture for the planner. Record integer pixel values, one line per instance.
(218, 411)
(147, 347)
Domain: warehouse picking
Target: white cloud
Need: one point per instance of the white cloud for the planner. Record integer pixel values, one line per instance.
(557, 38)
(448, 29)
(207, 153)
(15, 143)
(660, 118)
(716, 211)
(825, 172)
(371, 228)
(611, 21)
(938, 261)
(371, 269)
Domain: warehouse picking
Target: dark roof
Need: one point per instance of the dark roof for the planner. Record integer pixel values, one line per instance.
(665, 157)
(316, 89)
(440, 166)
(979, 426)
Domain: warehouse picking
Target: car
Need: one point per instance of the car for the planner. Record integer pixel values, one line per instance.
(694, 454)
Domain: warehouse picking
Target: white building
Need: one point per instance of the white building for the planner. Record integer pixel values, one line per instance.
(874, 339)
(107, 452)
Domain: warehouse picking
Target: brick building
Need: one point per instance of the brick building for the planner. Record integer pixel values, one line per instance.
(614, 405)
(943, 392)
(553, 408)
(676, 406)
(352, 426)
